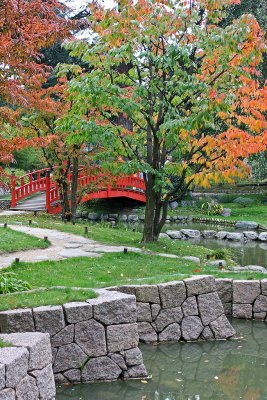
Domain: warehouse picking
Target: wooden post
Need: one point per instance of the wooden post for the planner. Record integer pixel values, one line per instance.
(13, 190)
(47, 189)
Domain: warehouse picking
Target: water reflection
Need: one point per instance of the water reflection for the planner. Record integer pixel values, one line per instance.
(227, 370)
(249, 253)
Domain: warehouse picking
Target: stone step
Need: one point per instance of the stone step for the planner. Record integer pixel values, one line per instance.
(41, 204)
(28, 209)
(36, 203)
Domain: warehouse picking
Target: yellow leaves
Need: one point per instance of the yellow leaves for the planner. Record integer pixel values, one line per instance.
(205, 182)
(256, 125)
(184, 134)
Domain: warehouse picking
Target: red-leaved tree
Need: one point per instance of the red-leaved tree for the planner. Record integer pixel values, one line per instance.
(25, 28)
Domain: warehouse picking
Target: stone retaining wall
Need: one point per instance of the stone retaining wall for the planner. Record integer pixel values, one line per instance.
(182, 310)
(26, 367)
(244, 298)
(97, 340)
(92, 340)
(131, 218)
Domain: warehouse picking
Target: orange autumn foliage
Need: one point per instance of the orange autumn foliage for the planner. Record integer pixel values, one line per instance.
(25, 28)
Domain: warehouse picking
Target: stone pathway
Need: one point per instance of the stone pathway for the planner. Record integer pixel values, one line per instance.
(7, 213)
(64, 245)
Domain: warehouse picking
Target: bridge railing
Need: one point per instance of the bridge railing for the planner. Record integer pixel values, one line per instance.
(130, 182)
(40, 181)
(27, 184)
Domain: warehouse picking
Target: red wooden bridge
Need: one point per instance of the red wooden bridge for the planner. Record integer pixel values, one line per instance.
(37, 191)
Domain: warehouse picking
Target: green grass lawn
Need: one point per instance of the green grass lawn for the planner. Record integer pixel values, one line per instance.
(4, 344)
(11, 241)
(108, 270)
(43, 298)
(257, 213)
(114, 269)
(105, 234)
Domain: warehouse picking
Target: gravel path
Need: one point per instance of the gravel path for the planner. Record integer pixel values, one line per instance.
(64, 245)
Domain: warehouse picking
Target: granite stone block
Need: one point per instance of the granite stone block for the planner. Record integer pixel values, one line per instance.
(16, 364)
(122, 337)
(144, 312)
(114, 308)
(101, 368)
(242, 311)
(210, 307)
(78, 311)
(245, 292)
(65, 336)
(90, 336)
(38, 345)
(200, 285)
(68, 357)
(170, 334)
(49, 319)
(172, 294)
(20, 320)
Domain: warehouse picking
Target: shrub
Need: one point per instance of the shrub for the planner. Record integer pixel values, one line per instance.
(212, 208)
(227, 198)
(244, 201)
(222, 254)
(10, 284)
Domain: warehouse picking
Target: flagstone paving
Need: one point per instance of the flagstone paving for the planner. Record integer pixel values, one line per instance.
(64, 245)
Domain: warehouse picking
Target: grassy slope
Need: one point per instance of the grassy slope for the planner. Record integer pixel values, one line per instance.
(11, 241)
(43, 298)
(114, 269)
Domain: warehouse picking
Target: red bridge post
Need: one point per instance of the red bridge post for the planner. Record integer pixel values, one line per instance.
(47, 190)
(13, 190)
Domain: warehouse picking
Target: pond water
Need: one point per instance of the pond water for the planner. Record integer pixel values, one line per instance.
(249, 253)
(223, 370)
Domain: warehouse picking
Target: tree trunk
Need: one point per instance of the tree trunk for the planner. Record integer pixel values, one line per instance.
(74, 187)
(65, 200)
(161, 212)
(148, 232)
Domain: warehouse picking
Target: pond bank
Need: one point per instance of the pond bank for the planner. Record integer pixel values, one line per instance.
(97, 340)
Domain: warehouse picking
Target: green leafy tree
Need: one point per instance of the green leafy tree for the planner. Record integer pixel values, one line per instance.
(172, 93)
